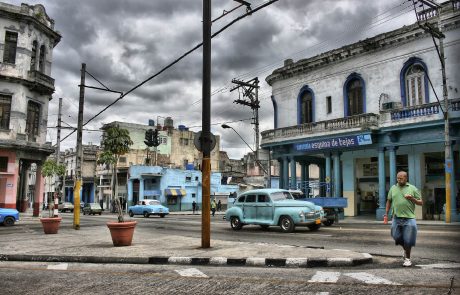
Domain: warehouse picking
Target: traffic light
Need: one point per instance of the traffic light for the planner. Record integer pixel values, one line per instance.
(155, 139)
(149, 141)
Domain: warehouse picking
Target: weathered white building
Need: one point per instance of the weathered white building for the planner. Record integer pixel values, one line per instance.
(364, 111)
(27, 39)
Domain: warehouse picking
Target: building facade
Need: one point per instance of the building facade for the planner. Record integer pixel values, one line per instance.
(365, 111)
(174, 188)
(27, 39)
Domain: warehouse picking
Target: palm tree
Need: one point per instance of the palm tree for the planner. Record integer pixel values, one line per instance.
(52, 168)
(115, 142)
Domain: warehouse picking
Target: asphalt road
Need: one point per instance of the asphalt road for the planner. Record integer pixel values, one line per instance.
(436, 259)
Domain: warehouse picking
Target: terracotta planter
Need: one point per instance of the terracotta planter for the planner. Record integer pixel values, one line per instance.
(51, 224)
(122, 232)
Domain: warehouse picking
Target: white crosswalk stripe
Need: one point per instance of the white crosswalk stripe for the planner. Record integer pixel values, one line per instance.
(440, 265)
(369, 278)
(60, 266)
(325, 277)
(191, 272)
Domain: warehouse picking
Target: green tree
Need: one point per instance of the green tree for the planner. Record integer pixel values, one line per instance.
(51, 169)
(115, 142)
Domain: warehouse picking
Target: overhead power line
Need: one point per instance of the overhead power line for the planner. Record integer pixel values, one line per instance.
(250, 12)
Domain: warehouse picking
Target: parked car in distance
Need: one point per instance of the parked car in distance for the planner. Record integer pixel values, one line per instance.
(65, 207)
(273, 207)
(8, 216)
(148, 207)
(92, 208)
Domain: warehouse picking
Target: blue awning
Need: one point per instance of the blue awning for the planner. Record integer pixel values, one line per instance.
(175, 192)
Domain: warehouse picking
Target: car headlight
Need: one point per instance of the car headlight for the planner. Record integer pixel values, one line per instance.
(301, 214)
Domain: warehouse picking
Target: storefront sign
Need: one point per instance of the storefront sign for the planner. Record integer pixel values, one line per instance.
(331, 143)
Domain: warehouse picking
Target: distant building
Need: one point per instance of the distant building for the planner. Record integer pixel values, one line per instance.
(174, 188)
(27, 39)
(367, 110)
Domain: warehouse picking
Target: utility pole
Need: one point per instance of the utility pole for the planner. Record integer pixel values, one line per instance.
(437, 33)
(206, 133)
(251, 92)
(58, 160)
(79, 160)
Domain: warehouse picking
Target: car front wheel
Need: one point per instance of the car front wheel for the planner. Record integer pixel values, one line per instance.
(287, 224)
(162, 215)
(131, 214)
(146, 214)
(329, 222)
(235, 223)
(9, 221)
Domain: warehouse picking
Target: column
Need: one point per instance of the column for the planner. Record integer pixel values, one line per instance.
(39, 189)
(337, 176)
(130, 192)
(285, 173)
(393, 172)
(303, 178)
(293, 174)
(280, 173)
(328, 174)
(141, 188)
(307, 179)
(382, 184)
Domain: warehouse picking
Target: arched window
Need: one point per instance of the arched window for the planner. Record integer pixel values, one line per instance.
(414, 83)
(354, 94)
(33, 57)
(305, 106)
(41, 61)
(275, 112)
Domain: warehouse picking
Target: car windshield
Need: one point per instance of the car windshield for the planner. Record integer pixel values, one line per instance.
(279, 196)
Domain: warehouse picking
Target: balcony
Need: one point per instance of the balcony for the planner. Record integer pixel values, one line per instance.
(41, 82)
(352, 123)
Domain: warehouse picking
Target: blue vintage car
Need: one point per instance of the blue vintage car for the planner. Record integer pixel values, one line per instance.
(148, 207)
(267, 207)
(8, 216)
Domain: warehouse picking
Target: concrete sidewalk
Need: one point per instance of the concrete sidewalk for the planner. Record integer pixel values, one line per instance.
(26, 242)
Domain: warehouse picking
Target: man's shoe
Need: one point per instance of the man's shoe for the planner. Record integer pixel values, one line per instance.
(407, 262)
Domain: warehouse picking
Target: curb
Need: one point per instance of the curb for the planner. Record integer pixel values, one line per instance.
(209, 261)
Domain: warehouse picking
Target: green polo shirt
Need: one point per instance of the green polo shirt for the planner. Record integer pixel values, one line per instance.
(403, 207)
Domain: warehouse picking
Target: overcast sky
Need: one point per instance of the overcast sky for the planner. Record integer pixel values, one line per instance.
(123, 42)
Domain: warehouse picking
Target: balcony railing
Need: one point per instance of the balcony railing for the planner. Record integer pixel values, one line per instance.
(415, 111)
(364, 121)
(41, 79)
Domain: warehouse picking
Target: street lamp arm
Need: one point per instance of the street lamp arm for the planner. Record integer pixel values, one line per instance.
(225, 126)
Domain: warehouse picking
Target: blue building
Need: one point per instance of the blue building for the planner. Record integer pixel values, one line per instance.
(174, 188)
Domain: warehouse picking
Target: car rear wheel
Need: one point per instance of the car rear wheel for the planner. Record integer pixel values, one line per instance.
(162, 215)
(9, 221)
(314, 227)
(146, 214)
(235, 223)
(100, 213)
(329, 222)
(84, 212)
(287, 224)
(131, 214)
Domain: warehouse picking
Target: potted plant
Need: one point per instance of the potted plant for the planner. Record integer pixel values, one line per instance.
(50, 224)
(116, 142)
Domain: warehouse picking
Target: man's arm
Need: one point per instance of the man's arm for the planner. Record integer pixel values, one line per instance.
(415, 198)
(388, 206)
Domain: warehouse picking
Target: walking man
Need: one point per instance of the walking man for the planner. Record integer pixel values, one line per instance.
(194, 206)
(213, 207)
(403, 197)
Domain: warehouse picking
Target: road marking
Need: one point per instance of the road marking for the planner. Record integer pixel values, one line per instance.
(369, 279)
(325, 277)
(191, 272)
(60, 266)
(440, 265)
